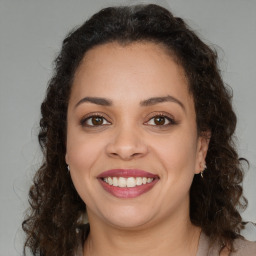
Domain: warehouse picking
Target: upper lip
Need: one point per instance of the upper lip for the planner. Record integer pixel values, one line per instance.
(126, 173)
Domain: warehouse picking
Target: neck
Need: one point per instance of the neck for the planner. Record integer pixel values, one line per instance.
(167, 238)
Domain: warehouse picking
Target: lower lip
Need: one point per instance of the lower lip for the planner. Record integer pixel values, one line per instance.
(128, 192)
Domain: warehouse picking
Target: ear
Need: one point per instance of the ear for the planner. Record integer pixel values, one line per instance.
(202, 148)
(67, 158)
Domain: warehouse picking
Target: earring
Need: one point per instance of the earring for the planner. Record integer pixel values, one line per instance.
(202, 172)
(68, 168)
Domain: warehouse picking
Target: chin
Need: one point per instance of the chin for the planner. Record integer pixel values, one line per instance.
(129, 222)
(127, 217)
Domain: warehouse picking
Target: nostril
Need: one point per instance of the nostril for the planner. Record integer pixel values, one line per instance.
(127, 149)
(125, 155)
(135, 154)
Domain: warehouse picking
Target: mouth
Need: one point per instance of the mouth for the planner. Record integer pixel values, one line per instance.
(126, 183)
(130, 182)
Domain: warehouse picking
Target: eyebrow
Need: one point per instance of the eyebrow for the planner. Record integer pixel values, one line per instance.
(156, 100)
(95, 100)
(148, 102)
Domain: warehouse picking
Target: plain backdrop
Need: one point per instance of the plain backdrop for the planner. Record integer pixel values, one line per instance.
(31, 33)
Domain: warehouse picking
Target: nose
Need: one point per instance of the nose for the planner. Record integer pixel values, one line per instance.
(127, 144)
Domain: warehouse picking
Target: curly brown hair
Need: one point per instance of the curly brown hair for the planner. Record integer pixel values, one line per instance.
(53, 220)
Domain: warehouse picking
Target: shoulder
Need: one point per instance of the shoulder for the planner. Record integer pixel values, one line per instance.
(244, 248)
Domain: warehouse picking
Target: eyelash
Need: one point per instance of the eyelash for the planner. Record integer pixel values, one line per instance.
(170, 120)
(88, 117)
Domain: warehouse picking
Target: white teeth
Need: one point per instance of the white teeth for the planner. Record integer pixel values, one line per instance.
(130, 182)
(149, 180)
(121, 182)
(110, 182)
(115, 181)
(138, 181)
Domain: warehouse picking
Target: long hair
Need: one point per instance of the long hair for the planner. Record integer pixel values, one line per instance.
(55, 207)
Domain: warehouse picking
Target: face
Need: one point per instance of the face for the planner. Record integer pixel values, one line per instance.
(132, 143)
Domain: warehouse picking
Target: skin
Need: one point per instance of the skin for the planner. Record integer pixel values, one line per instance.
(156, 222)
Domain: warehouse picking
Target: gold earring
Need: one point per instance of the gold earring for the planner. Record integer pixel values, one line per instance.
(202, 172)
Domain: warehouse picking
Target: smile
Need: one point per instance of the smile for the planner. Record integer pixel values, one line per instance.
(130, 182)
(123, 183)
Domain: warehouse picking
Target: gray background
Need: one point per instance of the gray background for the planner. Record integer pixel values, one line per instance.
(31, 33)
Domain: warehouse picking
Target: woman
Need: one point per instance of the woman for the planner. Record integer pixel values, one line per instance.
(136, 131)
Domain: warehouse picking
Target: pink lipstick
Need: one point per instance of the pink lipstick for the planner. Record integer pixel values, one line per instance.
(127, 183)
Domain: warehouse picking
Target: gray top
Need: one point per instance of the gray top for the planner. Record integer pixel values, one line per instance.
(242, 247)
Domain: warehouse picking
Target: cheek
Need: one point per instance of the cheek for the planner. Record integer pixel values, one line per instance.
(83, 155)
(83, 152)
(178, 154)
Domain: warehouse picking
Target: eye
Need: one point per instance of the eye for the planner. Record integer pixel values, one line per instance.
(161, 120)
(95, 120)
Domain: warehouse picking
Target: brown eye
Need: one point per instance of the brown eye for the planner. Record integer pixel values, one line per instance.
(159, 120)
(97, 120)
(94, 121)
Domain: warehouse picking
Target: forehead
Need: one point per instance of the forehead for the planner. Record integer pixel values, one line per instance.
(137, 69)
(133, 53)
